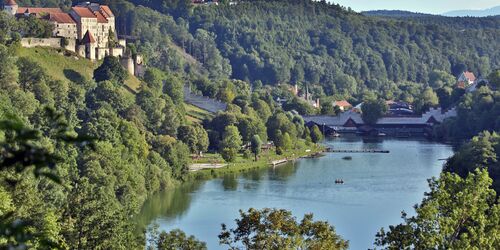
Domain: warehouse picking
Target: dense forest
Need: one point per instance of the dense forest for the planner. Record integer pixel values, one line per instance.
(141, 143)
(245, 55)
(279, 42)
(334, 50)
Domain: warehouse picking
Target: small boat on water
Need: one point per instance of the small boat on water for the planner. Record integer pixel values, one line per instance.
(347, 158)
(339, 181)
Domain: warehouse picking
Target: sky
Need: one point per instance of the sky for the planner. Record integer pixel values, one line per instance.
(423, 6)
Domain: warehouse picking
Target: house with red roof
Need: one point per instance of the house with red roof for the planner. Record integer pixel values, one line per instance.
(64, 25)
(465, 79)
(343, 105)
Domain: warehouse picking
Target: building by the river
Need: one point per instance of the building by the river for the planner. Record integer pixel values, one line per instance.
(351, 122)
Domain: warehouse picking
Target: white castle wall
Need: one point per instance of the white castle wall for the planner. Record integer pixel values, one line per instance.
(54, 42)
(41, 42)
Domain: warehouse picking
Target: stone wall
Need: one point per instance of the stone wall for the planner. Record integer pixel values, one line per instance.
(54, 42)
(41, 42)
(71, 45)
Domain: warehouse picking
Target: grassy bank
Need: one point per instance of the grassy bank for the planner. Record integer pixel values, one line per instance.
(65, 66)
(242, 164)
(195, 114)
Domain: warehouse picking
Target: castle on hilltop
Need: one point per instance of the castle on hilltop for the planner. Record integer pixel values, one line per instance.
(88, 29)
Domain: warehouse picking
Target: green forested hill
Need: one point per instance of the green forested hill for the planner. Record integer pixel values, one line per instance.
(452, 22)
(301, 41)
(316, 43)
(278, 40)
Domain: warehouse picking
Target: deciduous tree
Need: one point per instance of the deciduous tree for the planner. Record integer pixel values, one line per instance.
(231, 143)
(373, 110)
(456, 214)
(316, 134)
(256, 145)
(111, 70)
(278, 229)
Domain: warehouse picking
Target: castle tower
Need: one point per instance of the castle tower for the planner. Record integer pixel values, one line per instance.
(90, 46)
(10, 6)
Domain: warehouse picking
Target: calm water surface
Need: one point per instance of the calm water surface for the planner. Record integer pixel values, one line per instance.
(377, 188)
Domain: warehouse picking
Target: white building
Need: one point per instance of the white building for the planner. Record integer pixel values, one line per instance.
(10, 6)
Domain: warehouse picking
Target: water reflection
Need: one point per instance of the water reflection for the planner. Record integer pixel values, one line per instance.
(168, 204)
(229, 182)
(283, 172)
(377, 187)
(253, 175)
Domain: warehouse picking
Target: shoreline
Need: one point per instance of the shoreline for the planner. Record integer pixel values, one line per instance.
(265, 161)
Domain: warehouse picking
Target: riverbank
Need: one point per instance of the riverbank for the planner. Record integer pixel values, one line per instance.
(242, 164)
(377, 188)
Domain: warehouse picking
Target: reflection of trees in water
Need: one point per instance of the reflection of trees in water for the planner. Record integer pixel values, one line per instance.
(174, 203)
(230, 182)
(283, 172)
(255, 175)
(169, 204)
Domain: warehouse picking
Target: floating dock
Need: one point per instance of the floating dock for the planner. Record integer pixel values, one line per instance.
(279, 162)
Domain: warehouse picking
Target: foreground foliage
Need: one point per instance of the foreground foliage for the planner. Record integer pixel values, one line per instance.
(174, 240)
(482, 152)
(456, 214)
(278, 229)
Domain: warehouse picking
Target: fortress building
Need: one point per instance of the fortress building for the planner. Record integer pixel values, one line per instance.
(88, 28)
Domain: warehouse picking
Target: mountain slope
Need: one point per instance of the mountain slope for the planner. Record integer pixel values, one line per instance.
(302, 41)
(495, 11)
(394, 13)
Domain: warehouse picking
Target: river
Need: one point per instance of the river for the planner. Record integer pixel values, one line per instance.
(377, 188)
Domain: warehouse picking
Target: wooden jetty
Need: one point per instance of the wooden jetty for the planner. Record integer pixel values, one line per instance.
(331, 150)
(279, 162)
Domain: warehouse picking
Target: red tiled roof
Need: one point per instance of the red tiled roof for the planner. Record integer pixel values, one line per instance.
(470, 76)
(83, 12)
(343, 103)
(100, 17)
(10, 2)
(61, 18)
(88, 38)
(107, 10)
(460, 85)
(29, 10)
